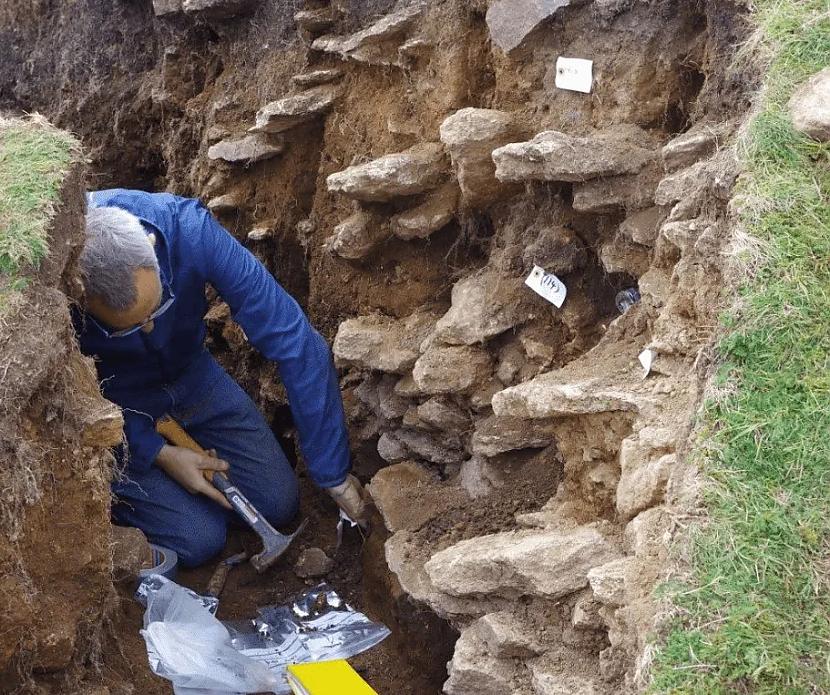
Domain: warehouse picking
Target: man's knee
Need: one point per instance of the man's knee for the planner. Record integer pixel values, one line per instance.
(201, 540)
(283, 503)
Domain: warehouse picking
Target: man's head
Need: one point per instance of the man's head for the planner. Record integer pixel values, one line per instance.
(119, 269)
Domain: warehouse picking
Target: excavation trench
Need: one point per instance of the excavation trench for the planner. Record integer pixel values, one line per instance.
(418, 163)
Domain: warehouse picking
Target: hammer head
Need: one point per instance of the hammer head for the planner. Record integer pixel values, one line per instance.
(275, 544)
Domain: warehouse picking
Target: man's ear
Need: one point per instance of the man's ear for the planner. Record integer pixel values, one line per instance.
(152, 237)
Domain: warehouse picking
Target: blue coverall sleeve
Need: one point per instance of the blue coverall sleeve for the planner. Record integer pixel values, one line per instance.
(143, 441)
(276, 325)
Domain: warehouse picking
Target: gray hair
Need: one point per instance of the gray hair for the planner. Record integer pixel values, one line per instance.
(116, 246)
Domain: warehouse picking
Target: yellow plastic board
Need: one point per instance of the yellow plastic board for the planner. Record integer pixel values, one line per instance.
(327, 678)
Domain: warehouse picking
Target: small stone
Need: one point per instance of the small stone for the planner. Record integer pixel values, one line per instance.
(315, 21)
(510, 21)
(312, 563)
(474, 671)
(131, 553)
(683, 183)
(247, 150)
(556, 249)
(511, 361)
(451, 369)
(357, 236)
(262, 231)
(224, 203)
(483, 305)
(608, 581)
(688, 148)
(380, 342)
(440, 450)
(417, 170)
(649, 532)
(555, 156)
(642, 483)
(479, 477)
(623, 256)
(471, 135)
(391, 406)
(164, 7)
(553, 680)
(291, 111)
(378, 43)
(440, 413)
(219, 9)
(642, 226)
(810, 107)
(508, 636)
(103, 426)
(433, 214)
(548, 564)
(392, 490)
(390, 449)
(407, 387)
(496, 435)
(586, 613)
(317, 77)
(216, 133)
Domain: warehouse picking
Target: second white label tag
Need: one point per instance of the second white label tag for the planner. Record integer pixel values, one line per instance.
(547, 285)
(575, 74)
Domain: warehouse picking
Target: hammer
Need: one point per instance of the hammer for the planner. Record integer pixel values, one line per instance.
(274, 542)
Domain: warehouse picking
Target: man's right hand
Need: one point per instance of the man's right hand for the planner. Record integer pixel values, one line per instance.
(187, 468)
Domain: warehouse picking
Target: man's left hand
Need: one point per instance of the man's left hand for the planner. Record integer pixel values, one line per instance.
(351, 498)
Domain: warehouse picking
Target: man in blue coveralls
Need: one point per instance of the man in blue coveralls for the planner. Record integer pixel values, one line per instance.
(145, 265)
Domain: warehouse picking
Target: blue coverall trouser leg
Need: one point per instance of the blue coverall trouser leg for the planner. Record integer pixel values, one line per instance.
(219, 415)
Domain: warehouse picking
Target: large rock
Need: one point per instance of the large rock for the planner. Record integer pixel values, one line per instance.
(548, 564)
(510, 21)
(642, 226)
(435, 213)
(555, 156)
(554, 679)
(417, 170)
(601, 196)
(291, 111)
(380, 342)
(474, 671)
(483, 305)
(358, 235)
(686, 149)
(394, 488)
(377, 44)
(810, 106)
(246, 150)
(550, 396)
(644, 486)
(683, 183)
(508, 635)
(443, 414)
(451, 369)
(441, 450)
(620, 255)
(608, 581)
(496, 435)
(471, 135)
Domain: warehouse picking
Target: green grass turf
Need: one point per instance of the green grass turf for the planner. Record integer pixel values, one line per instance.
(757, 617)
(34, 159)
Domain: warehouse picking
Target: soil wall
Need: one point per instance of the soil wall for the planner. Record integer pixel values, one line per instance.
(411, 164)
(55, 430)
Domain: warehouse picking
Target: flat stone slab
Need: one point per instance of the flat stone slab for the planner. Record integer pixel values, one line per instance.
(510, 21)
(291, 111)
(548, 564)
(372, 44)
(246, 150)
(416, 170)
(556, 156)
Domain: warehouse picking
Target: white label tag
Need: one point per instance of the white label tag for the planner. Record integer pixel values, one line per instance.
(547, 285)
(575, 74)
(646, 358)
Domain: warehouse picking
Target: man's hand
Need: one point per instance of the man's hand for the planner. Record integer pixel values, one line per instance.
(186, 468)
(351, 498)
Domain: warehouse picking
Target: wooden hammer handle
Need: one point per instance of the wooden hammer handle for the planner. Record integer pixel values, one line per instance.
(173, 432)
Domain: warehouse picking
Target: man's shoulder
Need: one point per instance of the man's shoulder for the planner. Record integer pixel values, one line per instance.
(160, 209)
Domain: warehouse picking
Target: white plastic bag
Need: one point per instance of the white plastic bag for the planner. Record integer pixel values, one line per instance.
(191, 648)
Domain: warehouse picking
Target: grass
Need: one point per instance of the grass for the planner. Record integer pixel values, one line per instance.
(34, 159)
(756, 617)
